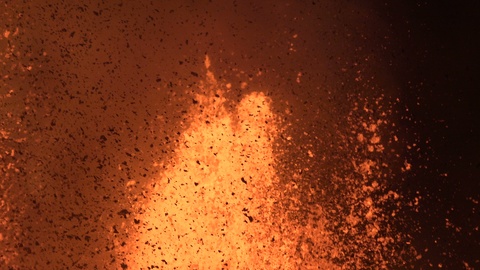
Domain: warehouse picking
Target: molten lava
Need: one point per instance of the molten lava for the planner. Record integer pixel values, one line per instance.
(213, 203)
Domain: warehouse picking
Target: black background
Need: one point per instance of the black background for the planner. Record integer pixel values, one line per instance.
(441, 74)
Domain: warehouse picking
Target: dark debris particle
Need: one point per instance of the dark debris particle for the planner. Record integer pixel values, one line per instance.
(124, 266)
(136, 221)
(164, 261)
(194, 74)
(27, 250)
(243, 180)
(124, 213)
(194, 101)
(250, 218)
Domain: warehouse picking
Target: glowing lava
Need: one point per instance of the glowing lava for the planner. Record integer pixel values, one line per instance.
(212, 206)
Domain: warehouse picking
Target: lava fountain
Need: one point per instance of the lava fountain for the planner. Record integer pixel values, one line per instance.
(214, 204)
(220, 202)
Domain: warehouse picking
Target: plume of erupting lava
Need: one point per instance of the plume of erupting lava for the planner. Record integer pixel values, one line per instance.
(219, 202)
(213, 204)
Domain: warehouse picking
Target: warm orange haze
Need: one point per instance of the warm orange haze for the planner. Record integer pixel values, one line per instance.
(238, 135)
(220, 204)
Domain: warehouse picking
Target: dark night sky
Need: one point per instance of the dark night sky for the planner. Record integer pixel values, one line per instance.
(440, 72)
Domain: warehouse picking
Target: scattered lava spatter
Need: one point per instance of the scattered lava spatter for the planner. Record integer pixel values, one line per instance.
(366, 214)
(212, 206)
(220, 204)
(347, 212)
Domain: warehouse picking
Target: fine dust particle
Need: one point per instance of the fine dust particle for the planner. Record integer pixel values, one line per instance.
(207, 62)
(299, 75)
(407, 165)
(360, 137)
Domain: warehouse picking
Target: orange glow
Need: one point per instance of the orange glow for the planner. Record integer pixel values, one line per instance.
(213, 204)
(219, 202)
